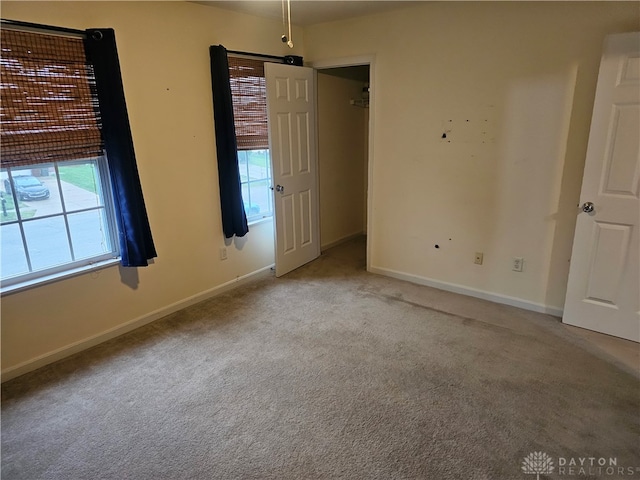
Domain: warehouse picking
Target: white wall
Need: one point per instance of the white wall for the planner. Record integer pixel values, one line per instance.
(164, 57)
(341, 158)
(512, 86)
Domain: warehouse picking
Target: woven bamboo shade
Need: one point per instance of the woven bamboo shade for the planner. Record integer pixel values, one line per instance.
(249, 95)
(48, 109)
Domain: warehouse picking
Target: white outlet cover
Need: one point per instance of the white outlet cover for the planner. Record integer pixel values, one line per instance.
(517, 264)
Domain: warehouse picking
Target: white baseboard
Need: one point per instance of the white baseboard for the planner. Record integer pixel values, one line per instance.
(68, 350)
(340, 241)
(472, 292)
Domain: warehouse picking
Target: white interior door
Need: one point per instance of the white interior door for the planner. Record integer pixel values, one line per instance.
(603, 292)
(292, 141)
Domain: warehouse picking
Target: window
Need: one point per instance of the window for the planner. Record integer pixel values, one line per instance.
(249, 96)
(55, 217)
(57, 210)
(57, 213)
(255, 179)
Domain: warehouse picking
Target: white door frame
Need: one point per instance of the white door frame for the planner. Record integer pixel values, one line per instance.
(354, 62)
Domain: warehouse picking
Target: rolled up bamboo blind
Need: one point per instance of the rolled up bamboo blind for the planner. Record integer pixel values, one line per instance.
(48, 110)
(249, 95)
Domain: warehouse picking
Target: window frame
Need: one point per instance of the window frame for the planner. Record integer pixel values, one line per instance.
(241, 68)
(107, 206)
(259, 217)
(75, 266)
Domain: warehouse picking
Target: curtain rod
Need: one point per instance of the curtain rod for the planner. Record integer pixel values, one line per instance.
(39, 26)
(256, 55)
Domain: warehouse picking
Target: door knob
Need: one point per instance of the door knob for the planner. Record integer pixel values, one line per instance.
(588, 207)
(279, 188)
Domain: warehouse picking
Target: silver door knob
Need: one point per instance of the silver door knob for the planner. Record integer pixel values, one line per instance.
(588, 207)
(279, 188)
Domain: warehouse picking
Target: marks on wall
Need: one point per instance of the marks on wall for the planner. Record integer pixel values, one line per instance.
(472, 129)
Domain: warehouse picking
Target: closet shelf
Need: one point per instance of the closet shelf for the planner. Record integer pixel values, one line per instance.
(360, 103)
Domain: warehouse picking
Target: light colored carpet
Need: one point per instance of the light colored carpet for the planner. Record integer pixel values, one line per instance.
(329, 372)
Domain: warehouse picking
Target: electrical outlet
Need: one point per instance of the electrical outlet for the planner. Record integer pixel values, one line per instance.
(223, 253)
(478, 258)
(517, 264)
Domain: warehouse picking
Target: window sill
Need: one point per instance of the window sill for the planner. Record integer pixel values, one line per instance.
(259, 220)
(19, 287)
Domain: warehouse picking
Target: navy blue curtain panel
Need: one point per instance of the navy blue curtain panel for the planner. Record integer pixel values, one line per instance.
(136, 242)
(234, 220)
